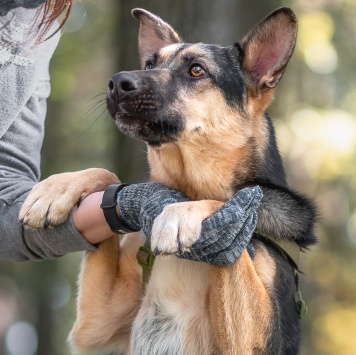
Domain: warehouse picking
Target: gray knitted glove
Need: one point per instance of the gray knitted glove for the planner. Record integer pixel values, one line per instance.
(223, 236)
(229, 230)
(140, 204)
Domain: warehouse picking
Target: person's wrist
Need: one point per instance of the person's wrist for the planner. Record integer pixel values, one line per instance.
(112, 212)
(89, 219)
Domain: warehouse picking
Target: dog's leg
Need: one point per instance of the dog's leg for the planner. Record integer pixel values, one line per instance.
(240, 320)
(240, 304)
(109, 295)
(51, 200)
(286, 214)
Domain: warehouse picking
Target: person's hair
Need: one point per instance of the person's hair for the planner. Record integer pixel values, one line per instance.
(47, 14)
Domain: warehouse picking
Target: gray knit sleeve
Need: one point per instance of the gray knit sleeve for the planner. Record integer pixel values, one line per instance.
(24, 88)
(7, 5)
(224, 235)
(20, 244)
(140, 204)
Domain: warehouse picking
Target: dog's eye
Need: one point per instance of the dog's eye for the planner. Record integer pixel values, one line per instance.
(196, 71)
(148, 65)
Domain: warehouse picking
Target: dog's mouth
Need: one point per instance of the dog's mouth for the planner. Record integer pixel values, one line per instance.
(132, 112)
(141, 117)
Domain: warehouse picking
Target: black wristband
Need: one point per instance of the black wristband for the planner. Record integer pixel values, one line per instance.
(108, 205)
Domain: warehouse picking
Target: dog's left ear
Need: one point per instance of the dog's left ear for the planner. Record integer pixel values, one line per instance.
(268, 47)
(154, 34)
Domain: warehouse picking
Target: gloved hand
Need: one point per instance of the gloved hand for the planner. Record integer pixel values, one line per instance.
(229, 230)
(223, 236)
(140, 204)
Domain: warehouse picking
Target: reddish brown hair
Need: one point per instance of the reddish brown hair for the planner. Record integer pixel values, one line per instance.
(47, 15)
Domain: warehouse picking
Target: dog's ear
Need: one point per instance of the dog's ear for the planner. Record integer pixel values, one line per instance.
(154, 34)
(268, 47)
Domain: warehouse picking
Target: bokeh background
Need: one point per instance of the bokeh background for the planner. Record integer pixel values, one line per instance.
(314, 114)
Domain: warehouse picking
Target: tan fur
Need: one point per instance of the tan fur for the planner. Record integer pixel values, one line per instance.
(108, 275)
(166, 52)
(227, 306)
(187, 164)
(256, 106)
(180, 298)
(254, 282)
(240, 307)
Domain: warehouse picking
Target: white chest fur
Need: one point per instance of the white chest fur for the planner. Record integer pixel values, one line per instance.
(173, 318)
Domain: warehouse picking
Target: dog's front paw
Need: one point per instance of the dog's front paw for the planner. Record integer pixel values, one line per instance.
(52, 199)
(178, 226)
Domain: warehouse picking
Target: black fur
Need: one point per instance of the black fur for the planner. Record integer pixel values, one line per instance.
(229, 79)
(138, 104)
(283, 213)
(285, 326)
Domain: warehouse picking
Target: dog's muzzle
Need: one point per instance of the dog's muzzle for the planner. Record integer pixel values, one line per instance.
(129, 95)
(121, 84)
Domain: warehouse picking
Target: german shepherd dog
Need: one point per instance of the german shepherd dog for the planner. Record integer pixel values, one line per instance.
(201, 110)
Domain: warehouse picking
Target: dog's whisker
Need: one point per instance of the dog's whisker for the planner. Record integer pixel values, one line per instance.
(84, 131)
(94, 97)
(93, 109)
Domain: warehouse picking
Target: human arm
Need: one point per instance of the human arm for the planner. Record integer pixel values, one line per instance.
(23, 92)
(76, 231)
(89, 219)
(166, 216)
(20, 244)
(219, 240)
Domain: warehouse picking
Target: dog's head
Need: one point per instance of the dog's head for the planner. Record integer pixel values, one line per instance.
(194, 88)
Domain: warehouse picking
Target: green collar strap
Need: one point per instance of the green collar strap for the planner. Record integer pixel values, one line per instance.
(145, 258)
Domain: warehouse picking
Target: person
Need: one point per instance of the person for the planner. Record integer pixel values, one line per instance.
(25, 52)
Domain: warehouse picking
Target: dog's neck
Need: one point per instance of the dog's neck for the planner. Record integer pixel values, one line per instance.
(211, 166)
(198, 173)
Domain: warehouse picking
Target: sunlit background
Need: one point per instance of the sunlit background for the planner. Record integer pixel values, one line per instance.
(314, 114)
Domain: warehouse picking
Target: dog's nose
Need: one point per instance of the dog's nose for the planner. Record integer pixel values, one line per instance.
(123, 83)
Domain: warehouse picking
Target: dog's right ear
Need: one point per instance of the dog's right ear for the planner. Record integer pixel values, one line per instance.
(268, 47)
(154, 34)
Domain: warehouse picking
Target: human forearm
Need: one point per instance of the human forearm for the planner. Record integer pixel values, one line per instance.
(89, 219)
(223, 236)
(20, 244)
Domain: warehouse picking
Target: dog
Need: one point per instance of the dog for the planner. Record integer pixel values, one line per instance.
(201, 109)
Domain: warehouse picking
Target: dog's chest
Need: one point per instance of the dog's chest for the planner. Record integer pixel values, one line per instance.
(173, 318)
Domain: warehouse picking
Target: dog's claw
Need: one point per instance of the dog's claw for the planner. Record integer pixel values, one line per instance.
(80, 199)
(156, 252)
(46, 224)
(180, 248)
